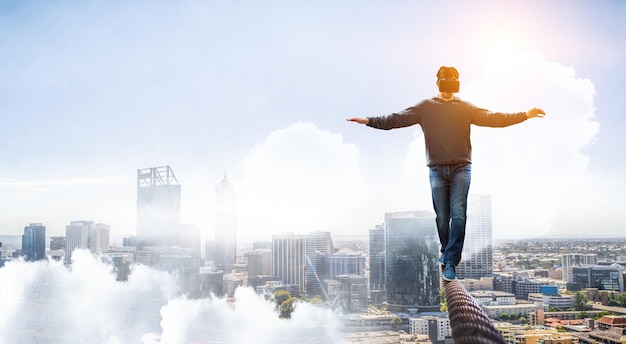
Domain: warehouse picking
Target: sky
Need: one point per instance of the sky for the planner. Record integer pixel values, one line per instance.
(92, 91)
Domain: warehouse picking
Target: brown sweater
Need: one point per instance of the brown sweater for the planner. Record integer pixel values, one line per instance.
(446, 127)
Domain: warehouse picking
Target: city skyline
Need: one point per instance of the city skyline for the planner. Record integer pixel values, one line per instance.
(129, 311)
(92, 92)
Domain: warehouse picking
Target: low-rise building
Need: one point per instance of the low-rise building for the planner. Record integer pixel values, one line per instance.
(544, 336)
(547, 301)
(516, 310)
(598, 276)
(484, 297)
(436, 328)
(610, 321)
(484, 283)
(539, 317)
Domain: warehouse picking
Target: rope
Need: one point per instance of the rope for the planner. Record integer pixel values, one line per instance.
(469, 323)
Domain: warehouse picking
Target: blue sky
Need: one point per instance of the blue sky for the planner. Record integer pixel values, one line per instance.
(92, 91)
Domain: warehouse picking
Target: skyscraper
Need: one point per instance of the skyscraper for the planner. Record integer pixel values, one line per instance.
(34, 242)
(377, 264)
(259, 263)
(289, 259)
(224, 255)
(100, 237)
(377, 258)
(477, 257)
(158, 206)
(319, 245)
(86, 235)
(412, 250)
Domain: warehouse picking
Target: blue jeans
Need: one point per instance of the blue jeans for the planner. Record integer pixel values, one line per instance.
(449, 185)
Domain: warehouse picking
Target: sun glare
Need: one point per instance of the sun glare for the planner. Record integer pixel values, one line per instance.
(497, 46)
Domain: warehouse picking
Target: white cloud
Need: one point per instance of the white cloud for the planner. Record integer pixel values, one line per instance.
(530, 168)
(47, 302)
(250, 320)
(82, 305)
(300, 179)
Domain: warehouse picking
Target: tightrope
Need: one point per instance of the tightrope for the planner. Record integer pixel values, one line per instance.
(468, 321)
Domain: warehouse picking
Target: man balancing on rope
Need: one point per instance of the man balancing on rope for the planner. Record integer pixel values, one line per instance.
(445, 121)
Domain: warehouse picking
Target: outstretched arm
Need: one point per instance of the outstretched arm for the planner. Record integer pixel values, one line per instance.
(535, 112)
(358, 120)
(392, 121)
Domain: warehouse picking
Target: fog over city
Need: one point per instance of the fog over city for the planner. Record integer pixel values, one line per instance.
(47, 303)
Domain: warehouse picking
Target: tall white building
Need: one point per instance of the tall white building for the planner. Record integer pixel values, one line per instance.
(224, 250)
(86, 235)
(289, 259)
(477, 257)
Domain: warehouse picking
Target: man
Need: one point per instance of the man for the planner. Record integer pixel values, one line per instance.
(445, 121)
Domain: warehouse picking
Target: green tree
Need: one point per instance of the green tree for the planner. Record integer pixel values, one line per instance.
(523, 320)
(442, 297)
(581, 301)
(281, 296)
(395, 322)
(287, 307)
(621, 300)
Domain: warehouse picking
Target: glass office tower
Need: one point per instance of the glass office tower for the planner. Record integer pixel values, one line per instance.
(412, 249)
(377, 264)
(34, 242)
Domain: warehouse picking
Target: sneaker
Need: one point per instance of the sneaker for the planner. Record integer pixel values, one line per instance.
(449, 274)
(440, 260)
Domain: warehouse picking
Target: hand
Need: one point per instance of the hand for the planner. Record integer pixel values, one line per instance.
(535, 112)
(358, 120)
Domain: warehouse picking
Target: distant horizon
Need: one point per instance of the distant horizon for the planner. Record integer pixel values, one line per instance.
(345, 237)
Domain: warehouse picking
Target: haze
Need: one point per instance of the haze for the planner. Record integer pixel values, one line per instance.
(92, 91)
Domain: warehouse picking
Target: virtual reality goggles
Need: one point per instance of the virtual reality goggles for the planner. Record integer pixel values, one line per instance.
(450, 86)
